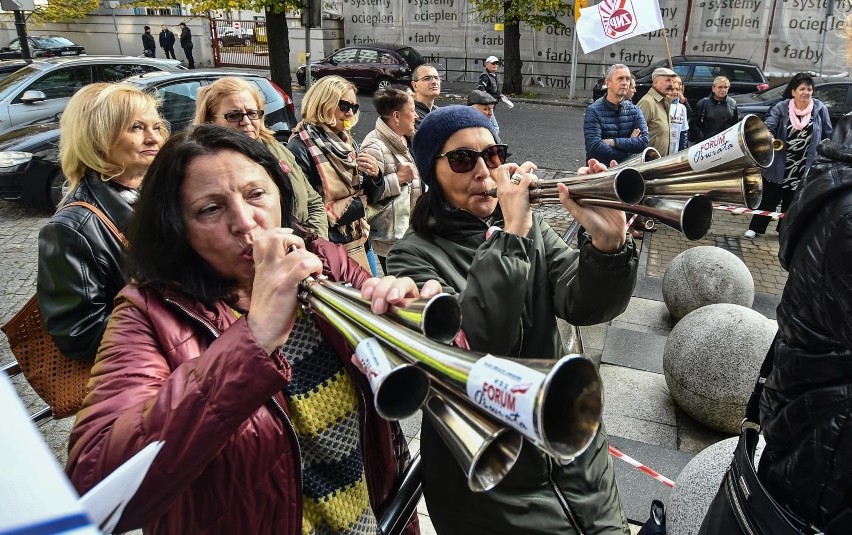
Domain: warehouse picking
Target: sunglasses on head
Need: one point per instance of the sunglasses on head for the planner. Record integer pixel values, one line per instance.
(464, 160)
(345, 106)
(237, 116)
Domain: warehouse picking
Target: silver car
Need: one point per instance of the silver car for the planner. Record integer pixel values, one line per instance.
(41, 89)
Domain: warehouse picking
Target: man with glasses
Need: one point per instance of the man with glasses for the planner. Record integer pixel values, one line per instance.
(427, 86)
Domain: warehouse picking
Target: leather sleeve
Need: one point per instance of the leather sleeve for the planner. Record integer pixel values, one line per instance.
(74, 292)
(839, 280)
(195, 408)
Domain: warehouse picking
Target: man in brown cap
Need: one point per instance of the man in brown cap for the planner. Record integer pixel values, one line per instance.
(655, 107)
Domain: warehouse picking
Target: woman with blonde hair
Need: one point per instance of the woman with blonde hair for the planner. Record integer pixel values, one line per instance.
(110, 133)
(347, 179)
(389, 143)
(235, 103)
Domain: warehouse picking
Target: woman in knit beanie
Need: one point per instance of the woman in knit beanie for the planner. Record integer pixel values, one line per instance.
(513, 275)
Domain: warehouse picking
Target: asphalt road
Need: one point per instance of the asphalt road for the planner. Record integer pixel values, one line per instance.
(549, 136)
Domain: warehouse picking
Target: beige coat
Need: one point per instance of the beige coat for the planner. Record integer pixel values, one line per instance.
(389, 217)
(655, 107)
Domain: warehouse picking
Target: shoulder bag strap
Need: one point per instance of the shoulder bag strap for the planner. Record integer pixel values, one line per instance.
(103, 217)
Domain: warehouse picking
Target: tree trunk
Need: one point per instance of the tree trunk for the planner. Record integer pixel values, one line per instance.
(278, 40)
(513, 81)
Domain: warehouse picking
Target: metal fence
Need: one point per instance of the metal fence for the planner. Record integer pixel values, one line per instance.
(239, 43)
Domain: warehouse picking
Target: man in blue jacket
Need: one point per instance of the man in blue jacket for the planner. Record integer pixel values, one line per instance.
(614, 127)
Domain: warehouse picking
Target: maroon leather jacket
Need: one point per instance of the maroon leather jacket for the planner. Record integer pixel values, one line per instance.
(190, 373)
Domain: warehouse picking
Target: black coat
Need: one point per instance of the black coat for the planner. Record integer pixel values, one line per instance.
(167, 39)
(185, 38)
(711, 117)
(806, 407)
(80, 268)
(148, 41)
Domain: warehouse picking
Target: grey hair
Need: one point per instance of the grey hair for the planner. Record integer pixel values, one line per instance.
(612, 69)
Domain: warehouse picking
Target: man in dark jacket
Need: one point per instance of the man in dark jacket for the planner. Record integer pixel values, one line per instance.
(148, 44)
(489, 83)
(713, 113)
(167, 42)
(614, 127)
(186, 44)
(806, 407)
(426, 83)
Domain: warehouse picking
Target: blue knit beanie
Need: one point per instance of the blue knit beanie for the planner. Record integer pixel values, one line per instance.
(436, 128)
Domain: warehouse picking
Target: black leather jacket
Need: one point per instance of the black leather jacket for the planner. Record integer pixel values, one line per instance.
(80, 268)
(806, 408)
(711, 117)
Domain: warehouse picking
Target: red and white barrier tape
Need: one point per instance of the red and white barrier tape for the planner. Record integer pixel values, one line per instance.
(747, 211)
(630, 460)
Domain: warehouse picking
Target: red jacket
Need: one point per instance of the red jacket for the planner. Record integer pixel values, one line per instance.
(172, 368)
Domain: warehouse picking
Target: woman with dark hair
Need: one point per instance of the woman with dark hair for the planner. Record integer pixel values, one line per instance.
(800, 122)
(513, 275)
(265, 422)
(388, 144)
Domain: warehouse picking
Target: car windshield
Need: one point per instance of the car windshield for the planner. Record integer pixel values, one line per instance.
(14, 80)
(51, 42)
(769, 94)
(411, 56)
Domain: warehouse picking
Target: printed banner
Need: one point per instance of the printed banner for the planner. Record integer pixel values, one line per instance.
(612, 21)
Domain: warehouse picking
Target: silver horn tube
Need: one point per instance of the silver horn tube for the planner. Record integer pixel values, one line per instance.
(623, 184)
(738, 186)
(692, 216)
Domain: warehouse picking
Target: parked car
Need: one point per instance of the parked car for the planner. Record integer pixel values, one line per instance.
(371, 67)
(29, 155)
(42, 46)
(698, 73)
(42, 89)
(835, 93)
(232, 37)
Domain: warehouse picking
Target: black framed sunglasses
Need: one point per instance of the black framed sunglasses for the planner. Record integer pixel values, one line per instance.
(463, 160)
(345, 106)
(237, 116)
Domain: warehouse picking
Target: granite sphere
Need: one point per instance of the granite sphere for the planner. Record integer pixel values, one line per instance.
(706, 275)
(697, 484)
(711, 361)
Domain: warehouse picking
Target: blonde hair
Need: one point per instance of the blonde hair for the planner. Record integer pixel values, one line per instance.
(92, 122)
(320, 102)
(721, 79)
(210, 97)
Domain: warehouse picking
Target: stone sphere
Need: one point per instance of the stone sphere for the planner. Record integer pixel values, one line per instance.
(703, 276)
(697, 484)
(711, 362)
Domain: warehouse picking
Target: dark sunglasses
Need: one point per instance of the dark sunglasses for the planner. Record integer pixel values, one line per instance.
(237, 116)
(463, 160)
(345, 106)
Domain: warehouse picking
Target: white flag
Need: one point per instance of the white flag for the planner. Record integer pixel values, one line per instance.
(614, 20)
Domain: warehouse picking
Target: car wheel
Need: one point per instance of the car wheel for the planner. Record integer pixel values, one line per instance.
(314, 79)
(57, 188)
(383, 83)
(246, 42)
(219, 42)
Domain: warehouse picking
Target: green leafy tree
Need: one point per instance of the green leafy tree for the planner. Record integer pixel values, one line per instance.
(277, 33)
(63, 10)
(535, 13)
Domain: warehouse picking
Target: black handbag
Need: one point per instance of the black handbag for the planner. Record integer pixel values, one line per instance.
(742, 504)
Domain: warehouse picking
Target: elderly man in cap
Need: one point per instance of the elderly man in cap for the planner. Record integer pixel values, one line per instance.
(483, 102)
(655, 106)
(488, 82)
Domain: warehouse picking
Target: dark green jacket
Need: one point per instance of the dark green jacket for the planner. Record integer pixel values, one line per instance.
(511, 289)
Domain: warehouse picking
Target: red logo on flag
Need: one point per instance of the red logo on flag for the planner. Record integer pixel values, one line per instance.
(618, 17)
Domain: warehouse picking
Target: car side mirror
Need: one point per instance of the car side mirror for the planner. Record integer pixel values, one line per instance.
(333, 61)
(31, 97)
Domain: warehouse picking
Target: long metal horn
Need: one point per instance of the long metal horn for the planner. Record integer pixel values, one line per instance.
(739, 186)
(649, 154)
(746, 144)
(622, 184)
(534, 402)
(399, 388)
(485, 450)
(692, 216)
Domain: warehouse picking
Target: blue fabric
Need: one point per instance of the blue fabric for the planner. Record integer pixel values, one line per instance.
(777, 121)
(436, 128)
(606, 121)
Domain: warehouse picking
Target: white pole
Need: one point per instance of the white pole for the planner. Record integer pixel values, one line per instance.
(573, 63)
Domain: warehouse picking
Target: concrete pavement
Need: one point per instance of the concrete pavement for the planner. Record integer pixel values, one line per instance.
(640, 416)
